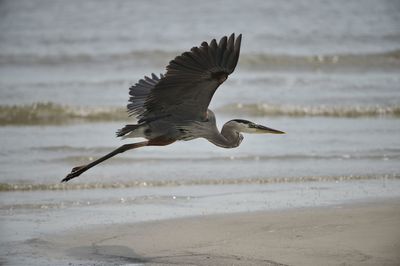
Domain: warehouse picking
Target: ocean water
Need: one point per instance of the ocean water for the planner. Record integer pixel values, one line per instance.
(325, 72)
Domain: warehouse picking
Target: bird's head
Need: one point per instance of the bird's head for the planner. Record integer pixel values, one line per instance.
(245, 126)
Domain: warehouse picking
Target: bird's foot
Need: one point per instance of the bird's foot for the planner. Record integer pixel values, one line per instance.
(76, 171)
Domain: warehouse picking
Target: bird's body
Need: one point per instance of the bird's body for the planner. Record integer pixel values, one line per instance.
(174, 106)
(184, 130)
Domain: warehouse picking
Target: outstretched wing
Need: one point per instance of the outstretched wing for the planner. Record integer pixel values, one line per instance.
(189, 83)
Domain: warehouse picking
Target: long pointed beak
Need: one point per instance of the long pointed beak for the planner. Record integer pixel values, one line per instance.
(262, 129)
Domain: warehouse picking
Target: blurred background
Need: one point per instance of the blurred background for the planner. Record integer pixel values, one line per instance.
(326, 72)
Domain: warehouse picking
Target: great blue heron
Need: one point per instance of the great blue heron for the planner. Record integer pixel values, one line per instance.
(174, 106)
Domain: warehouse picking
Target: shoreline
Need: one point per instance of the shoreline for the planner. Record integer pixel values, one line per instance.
(20, 187)
(352, 234)
(253, 224)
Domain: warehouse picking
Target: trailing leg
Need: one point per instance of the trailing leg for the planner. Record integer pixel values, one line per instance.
(77, 171)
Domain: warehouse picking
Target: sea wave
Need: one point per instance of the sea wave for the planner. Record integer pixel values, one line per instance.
(263, 109)
(258, 60)
(55, 114)
(6, 187)
(52, 113)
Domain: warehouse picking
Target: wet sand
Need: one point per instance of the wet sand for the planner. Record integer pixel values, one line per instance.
(355, 234)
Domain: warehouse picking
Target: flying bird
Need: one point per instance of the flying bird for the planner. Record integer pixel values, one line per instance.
(174, 105)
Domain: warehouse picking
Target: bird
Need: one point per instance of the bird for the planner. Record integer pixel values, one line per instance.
(173, 106)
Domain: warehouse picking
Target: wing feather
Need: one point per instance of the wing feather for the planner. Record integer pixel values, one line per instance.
(189, 83)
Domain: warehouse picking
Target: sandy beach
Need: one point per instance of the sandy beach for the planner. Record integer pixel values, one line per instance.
(350, 234)
(353, 222)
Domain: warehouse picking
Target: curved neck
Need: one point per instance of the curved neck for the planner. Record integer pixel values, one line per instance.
(228, 138)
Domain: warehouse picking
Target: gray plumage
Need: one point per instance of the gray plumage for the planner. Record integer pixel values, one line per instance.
(174, 106)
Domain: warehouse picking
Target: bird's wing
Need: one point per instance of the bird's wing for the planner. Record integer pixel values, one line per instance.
(139, 94)
(188, 85)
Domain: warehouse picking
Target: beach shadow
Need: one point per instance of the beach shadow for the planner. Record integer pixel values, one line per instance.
(123, 255)
(106, 254)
